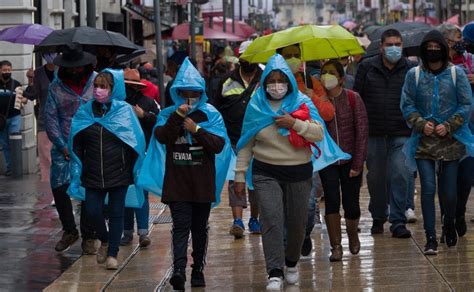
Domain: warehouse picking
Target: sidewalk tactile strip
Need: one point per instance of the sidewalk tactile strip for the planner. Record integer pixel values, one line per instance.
(159, 206)
(155, 219)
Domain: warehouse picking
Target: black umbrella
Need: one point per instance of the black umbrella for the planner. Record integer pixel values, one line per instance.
(411, 43)
(400, 26)
(87, 36)
(370, 29)
(125, 58)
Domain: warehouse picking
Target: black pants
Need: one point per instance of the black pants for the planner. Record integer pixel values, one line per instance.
(190, 217)
(465, 180)
(336, 178)
(64, 208)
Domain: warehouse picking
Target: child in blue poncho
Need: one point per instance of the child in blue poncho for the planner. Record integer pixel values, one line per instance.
(186, 164)
(107, 142)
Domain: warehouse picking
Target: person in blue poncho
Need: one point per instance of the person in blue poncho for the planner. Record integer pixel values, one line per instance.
(70, 88)
(187, 163)
(107, 146)
(281, 173)
(436, 101)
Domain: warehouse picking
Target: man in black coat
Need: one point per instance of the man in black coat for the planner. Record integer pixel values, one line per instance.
(379, 82)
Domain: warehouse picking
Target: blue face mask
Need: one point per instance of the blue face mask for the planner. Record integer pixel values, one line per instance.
(393, 54)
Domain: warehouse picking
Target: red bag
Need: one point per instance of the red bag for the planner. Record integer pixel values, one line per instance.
(302, 113)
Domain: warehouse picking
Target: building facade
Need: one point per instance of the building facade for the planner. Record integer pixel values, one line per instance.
(56, 14)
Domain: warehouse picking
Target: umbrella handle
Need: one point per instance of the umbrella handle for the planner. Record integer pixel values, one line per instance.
(304, 67)
(304, 75)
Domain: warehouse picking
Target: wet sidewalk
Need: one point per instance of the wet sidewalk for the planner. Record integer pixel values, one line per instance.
(30, 230)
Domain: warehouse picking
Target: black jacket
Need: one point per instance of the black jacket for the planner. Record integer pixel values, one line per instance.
(107, 162)
(7, 95)
(381, 90)
(151, 111)
(233, 106)
(190, 168)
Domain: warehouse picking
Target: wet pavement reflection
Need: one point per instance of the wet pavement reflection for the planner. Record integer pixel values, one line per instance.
(29, 229)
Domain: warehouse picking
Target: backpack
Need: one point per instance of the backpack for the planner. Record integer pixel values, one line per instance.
(418, 72)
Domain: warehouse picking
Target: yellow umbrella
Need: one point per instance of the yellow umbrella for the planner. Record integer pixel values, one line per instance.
(316, 43)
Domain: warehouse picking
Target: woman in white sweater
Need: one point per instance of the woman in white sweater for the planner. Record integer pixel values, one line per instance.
(279, 171)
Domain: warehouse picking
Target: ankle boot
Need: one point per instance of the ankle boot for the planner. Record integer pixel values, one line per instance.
(197, 277)
(351, 228)
(333, 223)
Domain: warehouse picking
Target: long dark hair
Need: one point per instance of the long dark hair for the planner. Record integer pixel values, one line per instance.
(337, 65)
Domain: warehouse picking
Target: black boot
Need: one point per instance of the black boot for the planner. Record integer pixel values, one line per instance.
(461, 227)
(197, 277)
(178, 279)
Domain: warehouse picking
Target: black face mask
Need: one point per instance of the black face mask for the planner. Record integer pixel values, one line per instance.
(434, 56)
(75, 78)
(459, 48)
(6, 76)
(248, 67)
(469, 47)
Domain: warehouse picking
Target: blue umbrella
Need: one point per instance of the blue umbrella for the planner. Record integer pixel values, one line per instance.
(30, 34)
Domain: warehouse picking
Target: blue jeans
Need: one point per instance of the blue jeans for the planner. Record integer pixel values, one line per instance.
(13, 126)
(313, 201)
(447, 192)
(388, 179)
(411, 196)
(142, 215)
(94, 210)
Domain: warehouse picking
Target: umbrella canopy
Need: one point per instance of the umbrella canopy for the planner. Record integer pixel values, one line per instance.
(400, 26)
(125, 58)
(87, 36)
(181, 32)
(241, 28)
(316, 43)
(349, 24)
(29, 34)
(411, 43)
(453, 20)
(370, 29)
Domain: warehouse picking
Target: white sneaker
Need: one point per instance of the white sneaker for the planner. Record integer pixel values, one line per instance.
(410, 214)
(275, 283)
(292, 276)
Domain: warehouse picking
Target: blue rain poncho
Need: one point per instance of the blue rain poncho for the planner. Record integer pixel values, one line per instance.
(259, 115)
(121, 121)
(436, 98)
(60, 107)
(153, 170)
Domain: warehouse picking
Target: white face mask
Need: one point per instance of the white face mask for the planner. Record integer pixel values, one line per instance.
(277, 90)
(294, 64)
(329, 81)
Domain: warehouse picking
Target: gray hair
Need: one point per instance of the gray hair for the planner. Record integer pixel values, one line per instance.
(449, 31)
